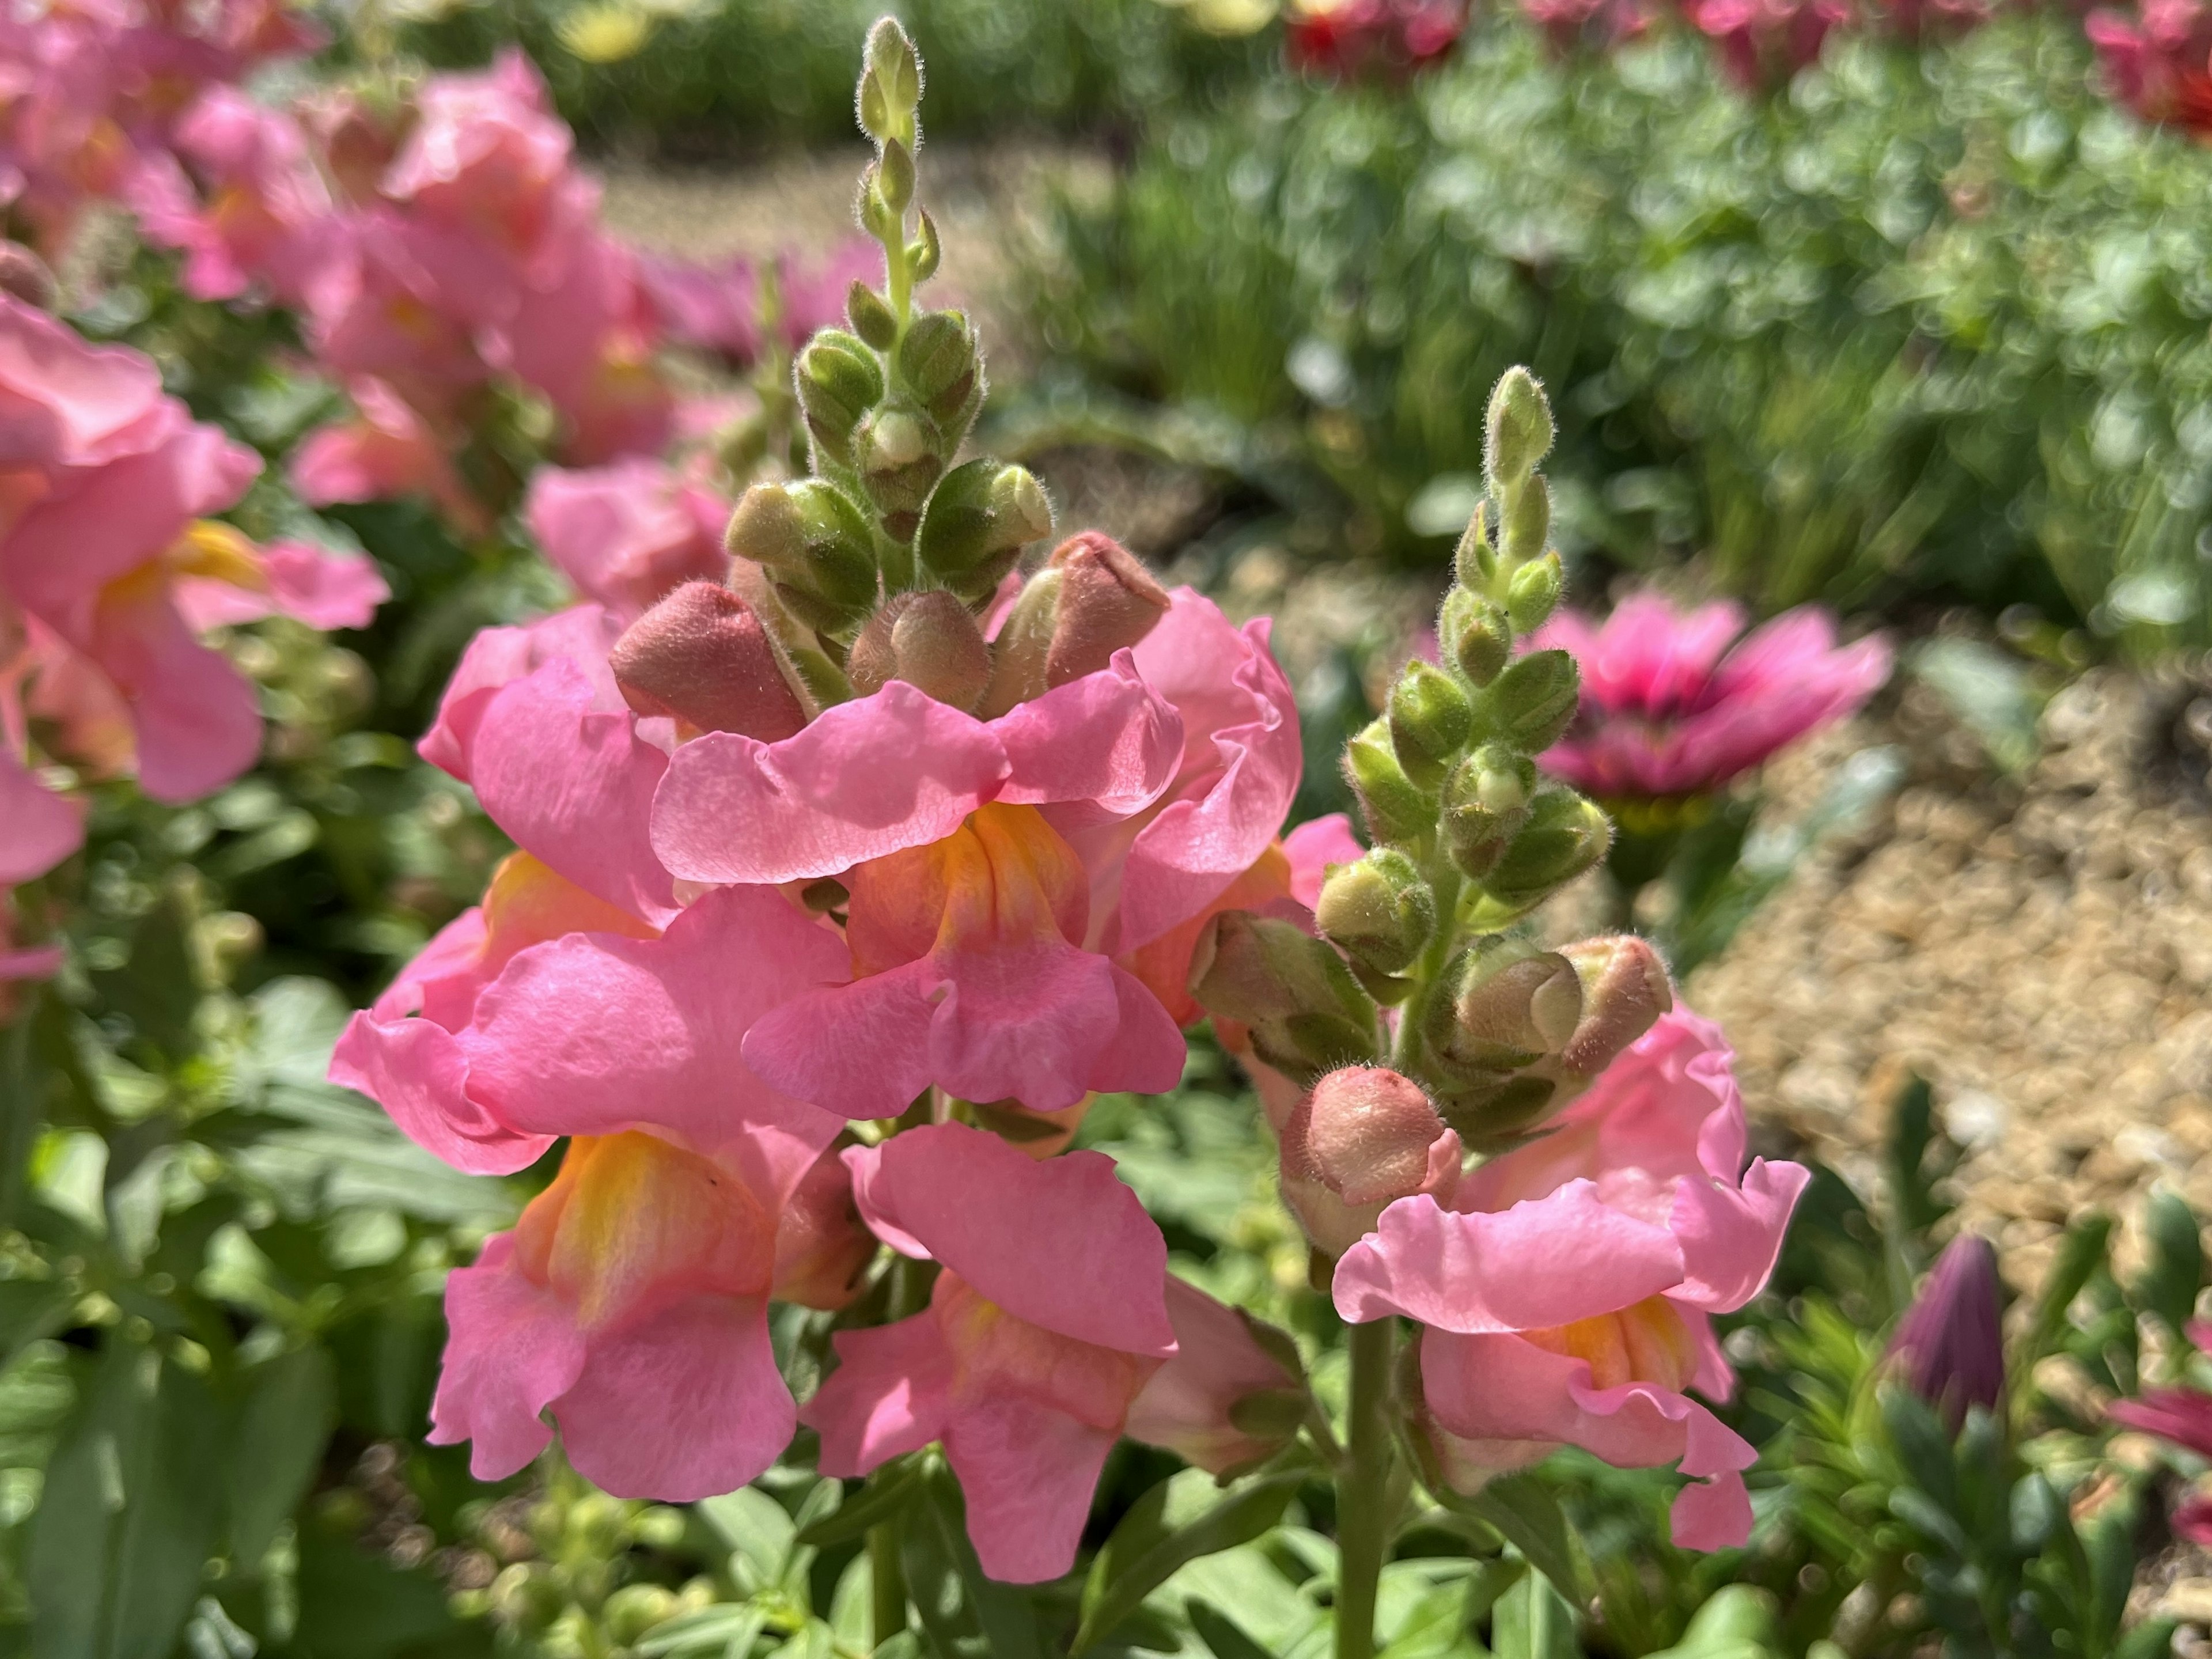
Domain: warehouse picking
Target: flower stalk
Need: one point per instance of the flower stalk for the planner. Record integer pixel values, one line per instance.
(1363, 1486)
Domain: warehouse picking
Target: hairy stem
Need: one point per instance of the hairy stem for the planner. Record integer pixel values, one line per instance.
(1363, 1489)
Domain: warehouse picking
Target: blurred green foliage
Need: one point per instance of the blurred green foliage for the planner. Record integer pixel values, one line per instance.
(1927, 323)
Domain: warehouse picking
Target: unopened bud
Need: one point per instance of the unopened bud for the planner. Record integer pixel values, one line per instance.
(1565, 835)
(1518, 432)
(895, 450)
(1950, 1344)
(1361, 1139)
(814, 543)
(1108, 602)
(1533, 593)
(1431, 721)
(1306, 1012)
(1625, 989)
(928, 640)
(633, 1611)
(1475, 637)
(938, 362)
(1507, 1006)
(701, 656)
(927, 250)
(1486, 805)
(1525, 528)
(1397, 812)
(895, 176)
(1473, 561)
(839, 380)
(821, 1247)
(24, 276)
(870, 316)
(1533, 702)
(1379, 910)
(892, 60)
(978, 521)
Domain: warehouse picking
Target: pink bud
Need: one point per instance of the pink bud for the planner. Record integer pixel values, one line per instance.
(1107, 601)
(929, 641)
(1362, 1139)
(1625, 990)
(1950, 1344)
(822, 1248)
(701, 655)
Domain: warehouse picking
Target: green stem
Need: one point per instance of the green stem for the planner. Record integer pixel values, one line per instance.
(886, 1585)
(1362, 1487)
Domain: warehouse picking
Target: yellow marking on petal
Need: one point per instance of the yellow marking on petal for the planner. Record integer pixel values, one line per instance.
(1649, 1342)
(994, 1351)
(1004, 876)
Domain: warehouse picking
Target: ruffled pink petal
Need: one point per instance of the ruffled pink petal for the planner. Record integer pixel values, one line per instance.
(859, 1050)
(625, 534)
(63, 402)
(323, 589)
(1028, 1474)
(497, 657)
(1106, 738)
(890, 1395)
(420, 1075)
(1731, 1237)
(574, 785)
(592, 1034)
(887, 772)
(1712, 1515)
(1062, 1243)
(198, 720)
(685, 1404)
(38, 828)
(1545, 1261)
(514, 1350)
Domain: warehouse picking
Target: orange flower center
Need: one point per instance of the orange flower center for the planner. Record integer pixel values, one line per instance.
(1004, 876)
(1649, 1342)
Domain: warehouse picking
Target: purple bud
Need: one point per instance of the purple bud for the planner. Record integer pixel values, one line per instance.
(1950, 1346)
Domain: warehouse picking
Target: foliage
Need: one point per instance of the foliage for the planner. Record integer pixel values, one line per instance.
(1927, 322)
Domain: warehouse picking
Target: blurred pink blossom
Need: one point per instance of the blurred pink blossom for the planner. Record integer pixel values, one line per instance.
(1346, 39)
(1669, 708)
(626, 533)
(1764, 42)
(2157, 59)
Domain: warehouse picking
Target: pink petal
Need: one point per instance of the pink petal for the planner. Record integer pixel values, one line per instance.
(1185, 1404)
(1312, 848)
(62, 401)
(1028, 1474)
(889, 771)
(1062, 1244)
(38, 828)
(1107, 738)
(1712, 1515)
(890, 1395)
(682, 1406)
(592, 1034)
(859, 1050)
(1545, 1262)
(198, 718)
(498, 657)
(514, 1350)
(419, 1074)
(1732, 1238)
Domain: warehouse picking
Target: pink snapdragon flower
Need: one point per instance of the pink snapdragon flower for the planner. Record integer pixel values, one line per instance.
(627, 533)
(1221, 1362)
(1569, 1287)
(720, 306)
(2157, 59)
(1763, 43)
(2181, 1417)
(1047, 1322)
(1669, 708)
(1000, 870)
(108, 572)
(1346, 39)
(631, 1299)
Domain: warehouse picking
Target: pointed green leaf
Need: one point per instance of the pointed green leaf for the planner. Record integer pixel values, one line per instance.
(1128, 1569)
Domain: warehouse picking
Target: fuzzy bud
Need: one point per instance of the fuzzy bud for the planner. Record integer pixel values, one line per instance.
(1625, 990)
(701, 656)
(24, 276)
(1486, 805)
(1431, 721)
(896, 451)
(1475, 637)
(1534, 592)
(1525, 528)
(1397, 812)
(895, 69)
(939, 363)
(838, 380)
(929, 641)
(1306, 1011)
(815, 545)
(1565, 836)
(1507, 1006)
(977, 522)
(870, 316)
(1518, 432)
(1109, 602)
(895, 177)
(1533, 702)
(1378, 910)
(1361, 1139)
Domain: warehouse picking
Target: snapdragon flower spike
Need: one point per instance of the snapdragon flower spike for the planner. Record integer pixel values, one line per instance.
(1568, 1287)
(1044, 1326)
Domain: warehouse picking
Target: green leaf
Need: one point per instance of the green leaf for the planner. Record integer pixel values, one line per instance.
(1737, 1623)
(1003, 1615)
(131, 1511)
(1221, 1634)
(759, 1532)
(1532, 1620)
(2082, 1253)
(884, 1496)
(1528, 1513)
(730, 1630)
(1913, 1135)
(158, 987)
(1143, 1551)
(31, 1308)
(354, 1604)
(2169, 1283)
(1989, 690)
(291, 1407)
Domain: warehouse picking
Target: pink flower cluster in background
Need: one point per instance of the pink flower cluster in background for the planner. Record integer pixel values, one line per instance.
(1351, 39)
(2181, 1417)
(110, 571)
(2157, 58)
(1674, 704)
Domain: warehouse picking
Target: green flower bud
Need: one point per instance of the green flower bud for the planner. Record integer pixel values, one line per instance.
(839, 380)
(1486, 805)
(873, 212)
(870, 316)
(927, 250)
(1397, 812)
(1518, 432)
(1473, 561)
(895, 177)
(898, 452)
(929, 641)
(1474, 636)
(1533, 701)
(1533, 590)
(938, 362)
(1306, 1013)
(815, 546)
(1505, 1005)
(977, 522)
(1379, 910)
(895, 67)
(1565, 835)
(1526, 527)
(633, 1609)
(1431, 721)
